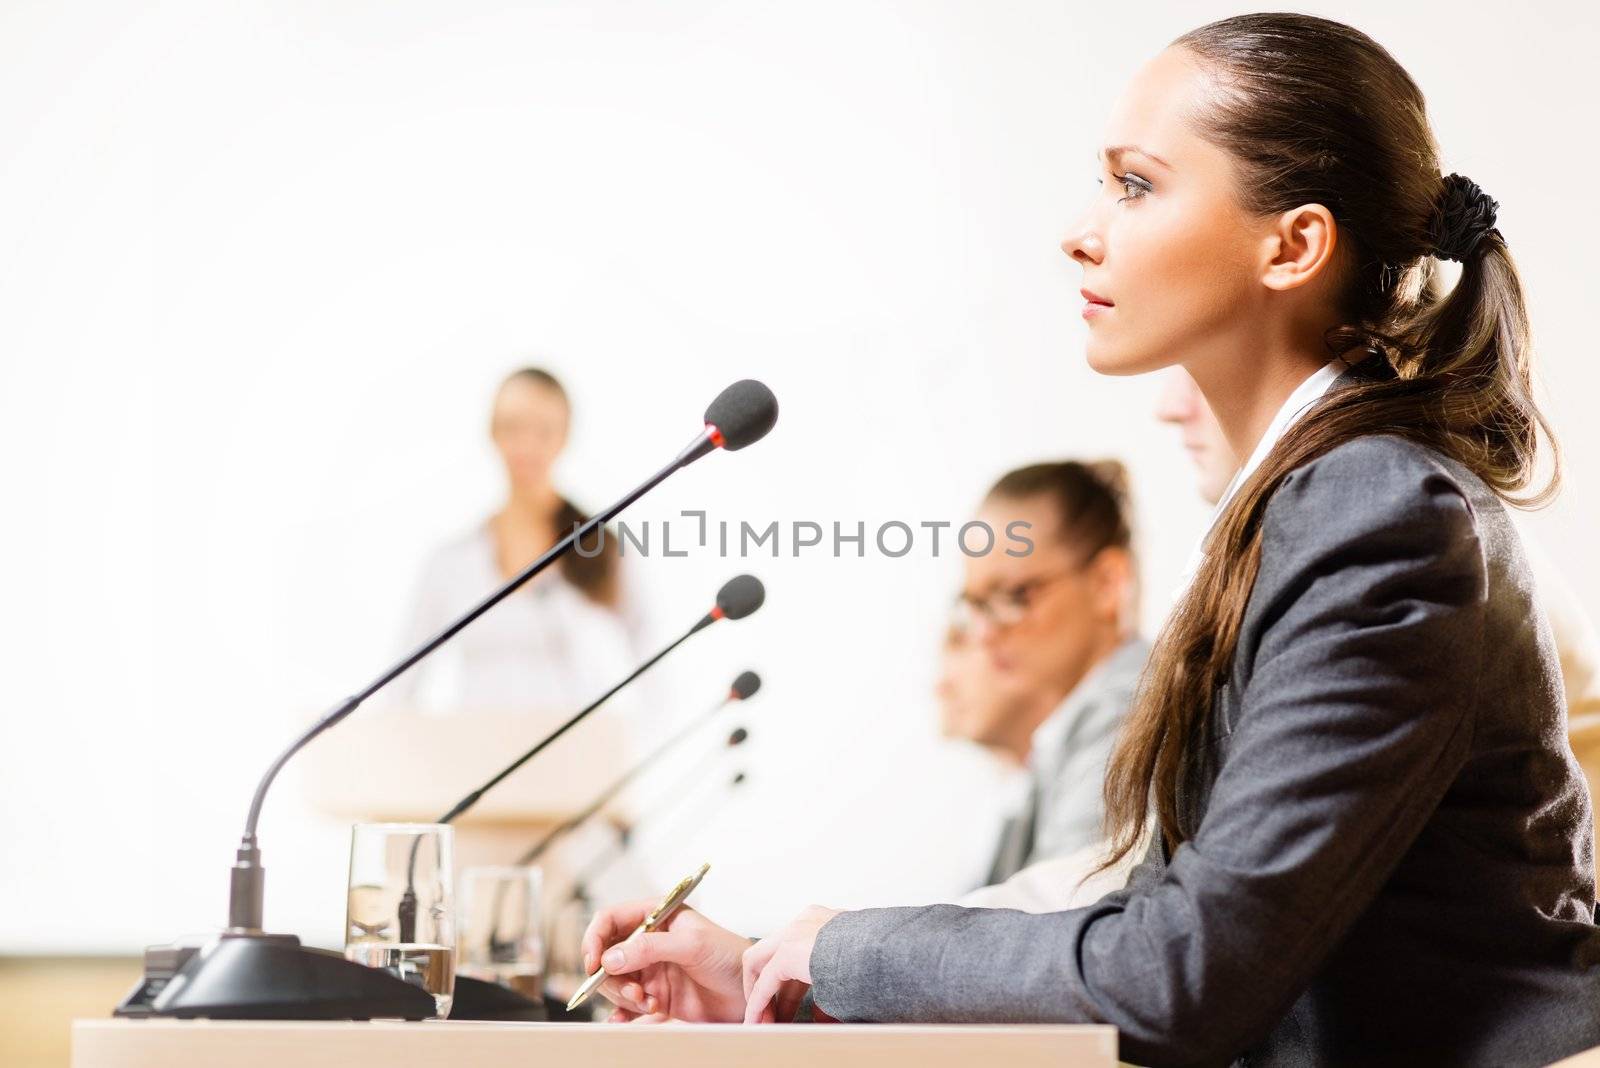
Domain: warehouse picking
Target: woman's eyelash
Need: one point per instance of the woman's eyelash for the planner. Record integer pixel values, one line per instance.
(1132, 184)
(1135, 186)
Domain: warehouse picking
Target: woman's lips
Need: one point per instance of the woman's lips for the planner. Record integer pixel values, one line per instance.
(1094, 303)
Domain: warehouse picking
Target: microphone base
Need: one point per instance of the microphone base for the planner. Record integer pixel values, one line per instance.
(589, 1012)
(479, 999)
(243, 976)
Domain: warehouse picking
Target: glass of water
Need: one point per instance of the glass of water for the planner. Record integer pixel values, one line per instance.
(400, 913)
(501, 937)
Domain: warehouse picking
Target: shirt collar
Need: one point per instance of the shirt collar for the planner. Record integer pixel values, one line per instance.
(1294, 406)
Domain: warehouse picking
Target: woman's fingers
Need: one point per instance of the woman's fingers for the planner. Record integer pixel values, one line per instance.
(599, 935)
(608, 926)
(625, 994)
(770, 963)
(623, 988)
(758, 1005)
(658, 947)
(753, 961)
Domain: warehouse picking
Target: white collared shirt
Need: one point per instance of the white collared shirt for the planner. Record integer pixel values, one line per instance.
(1294, 406)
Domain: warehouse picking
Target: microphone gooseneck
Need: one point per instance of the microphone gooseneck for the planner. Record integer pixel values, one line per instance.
(625, 834)
(475, 796)
(471, 799)
(745, 598)
(606, 796)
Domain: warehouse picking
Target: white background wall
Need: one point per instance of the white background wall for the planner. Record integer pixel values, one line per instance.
(265, 261)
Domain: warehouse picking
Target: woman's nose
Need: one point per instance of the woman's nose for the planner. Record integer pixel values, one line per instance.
(1084, 244)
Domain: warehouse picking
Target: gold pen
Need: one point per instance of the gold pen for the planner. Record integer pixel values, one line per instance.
(658, 916)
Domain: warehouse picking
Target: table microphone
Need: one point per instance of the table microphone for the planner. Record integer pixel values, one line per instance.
(246, 973)
(743, 687)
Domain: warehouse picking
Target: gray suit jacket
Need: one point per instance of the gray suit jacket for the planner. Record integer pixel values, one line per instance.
(1390, 854)
(1065, 809)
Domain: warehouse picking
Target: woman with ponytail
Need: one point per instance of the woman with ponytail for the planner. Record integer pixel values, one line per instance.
(1364, 837)
(565, 636)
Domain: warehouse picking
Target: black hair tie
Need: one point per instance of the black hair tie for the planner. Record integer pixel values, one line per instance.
(1462, 214)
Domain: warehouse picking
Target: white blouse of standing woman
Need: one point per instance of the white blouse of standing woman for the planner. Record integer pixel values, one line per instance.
(570, 632)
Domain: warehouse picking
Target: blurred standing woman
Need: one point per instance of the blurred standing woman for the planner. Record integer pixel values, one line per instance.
(565, 636)
(1372, 843)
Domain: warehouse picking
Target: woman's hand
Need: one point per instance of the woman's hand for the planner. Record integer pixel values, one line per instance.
(687, 970)
(777, 970)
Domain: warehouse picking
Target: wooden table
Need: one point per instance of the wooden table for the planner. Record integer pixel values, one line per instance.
(447, 1044)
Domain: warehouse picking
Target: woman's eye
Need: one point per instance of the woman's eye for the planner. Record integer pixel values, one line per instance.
(1134, 186)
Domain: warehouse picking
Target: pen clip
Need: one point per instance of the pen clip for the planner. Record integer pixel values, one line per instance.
(675, 897)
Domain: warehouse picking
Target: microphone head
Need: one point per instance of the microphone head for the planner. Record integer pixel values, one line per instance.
(738, 736)
(740, 596)
(746, 685)
(742, 414)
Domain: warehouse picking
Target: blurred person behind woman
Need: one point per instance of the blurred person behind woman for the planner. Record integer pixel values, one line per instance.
(1050, 636)
(979, 705)
(571, 631)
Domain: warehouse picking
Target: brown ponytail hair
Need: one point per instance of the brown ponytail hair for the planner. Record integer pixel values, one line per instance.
(592, 569)
(1314, 111)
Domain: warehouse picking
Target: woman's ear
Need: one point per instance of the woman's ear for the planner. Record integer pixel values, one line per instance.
(1299, 246)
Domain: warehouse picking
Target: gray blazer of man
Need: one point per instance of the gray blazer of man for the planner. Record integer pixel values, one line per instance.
(1389, 858)
(1065, 808)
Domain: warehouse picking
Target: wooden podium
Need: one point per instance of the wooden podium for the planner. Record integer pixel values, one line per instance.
(447, 1044)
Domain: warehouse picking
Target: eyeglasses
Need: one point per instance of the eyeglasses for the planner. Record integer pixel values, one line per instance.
(1005, 607)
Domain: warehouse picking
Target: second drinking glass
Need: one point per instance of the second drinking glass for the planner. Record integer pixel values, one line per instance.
(400, 912)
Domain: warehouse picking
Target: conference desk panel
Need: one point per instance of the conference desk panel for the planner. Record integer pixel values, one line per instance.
(451, 1044)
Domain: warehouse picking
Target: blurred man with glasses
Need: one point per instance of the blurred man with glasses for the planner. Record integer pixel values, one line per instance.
(1043, 653)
